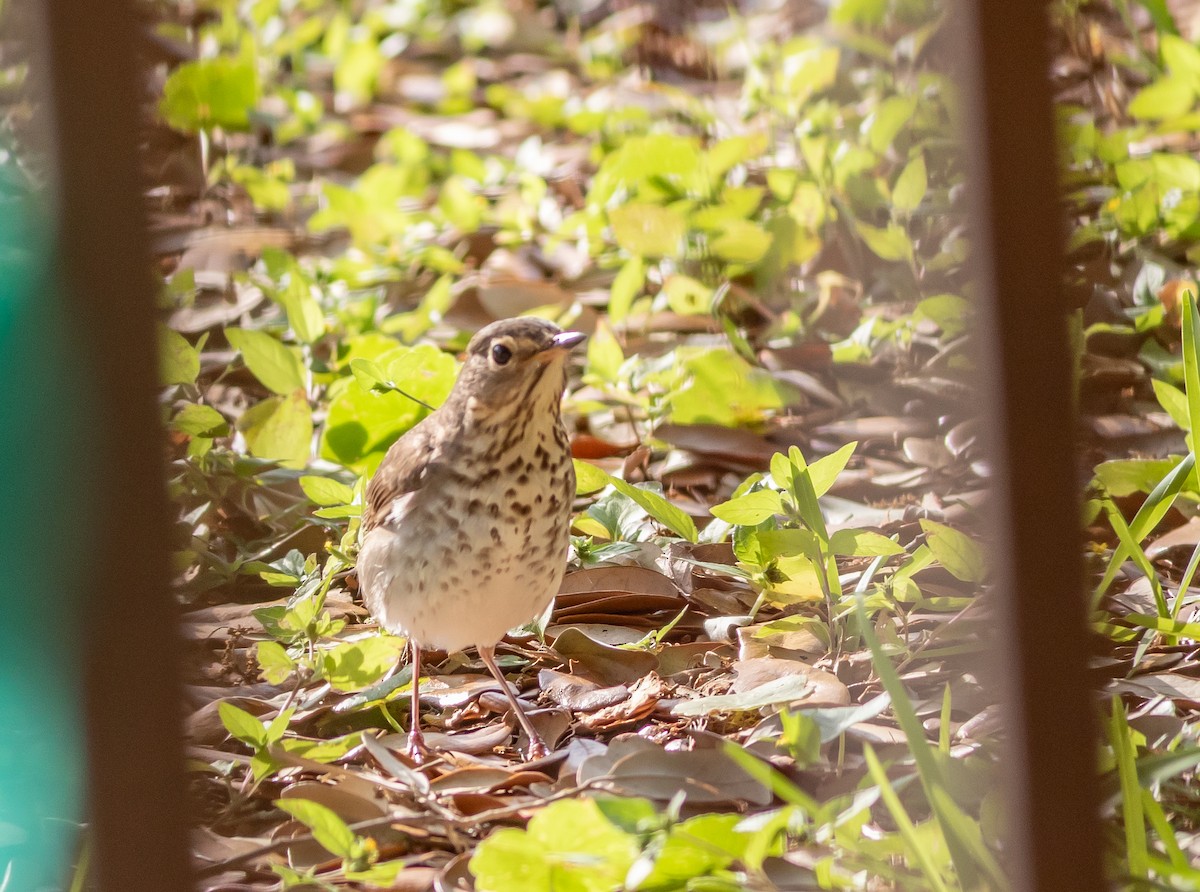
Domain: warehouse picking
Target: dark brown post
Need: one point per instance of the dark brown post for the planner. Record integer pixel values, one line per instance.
(1018, 225)
(135, 779)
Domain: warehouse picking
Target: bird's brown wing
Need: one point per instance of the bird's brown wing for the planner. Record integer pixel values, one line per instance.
(404, 469)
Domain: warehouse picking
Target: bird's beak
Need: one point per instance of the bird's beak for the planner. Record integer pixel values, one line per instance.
(565, 340)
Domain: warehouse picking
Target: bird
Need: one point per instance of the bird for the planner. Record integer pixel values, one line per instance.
(466, 521)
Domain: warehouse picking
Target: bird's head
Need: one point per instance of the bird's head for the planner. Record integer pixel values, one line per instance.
(515, 362)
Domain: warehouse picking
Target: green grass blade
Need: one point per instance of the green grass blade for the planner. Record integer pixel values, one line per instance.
(1124, 750)
(904, 823)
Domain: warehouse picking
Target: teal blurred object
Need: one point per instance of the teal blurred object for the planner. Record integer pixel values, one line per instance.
(48, 511)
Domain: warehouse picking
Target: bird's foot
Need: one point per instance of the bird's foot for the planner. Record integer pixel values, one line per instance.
(537, 749)
(417, 750)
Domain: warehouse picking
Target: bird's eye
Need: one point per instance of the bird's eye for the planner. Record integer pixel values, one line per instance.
(500, 354)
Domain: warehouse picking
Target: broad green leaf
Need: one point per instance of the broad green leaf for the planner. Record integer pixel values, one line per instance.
(327, 828)
(787, 543)
(1125, 476)
(625, 288)
(948, 311)
(750, 509)
(694, 849)
(884, 124)
(460, 205)
(958, 553)
(796, 579)
(1174, 402)
(279, 428)
(569, 846)
(304, 313)
(687, 296)
(273, 662)
(178, 360)
(824, 471)
(589, 478)
(277, 367)
(741, 242)
(355, 665)
(211, 93)
(863, 543)
(911, 185)
(1168, 97)
(648, 230)
(242, 725)
(722, 388)
(199, 420)
(326, 491)
(604, 356)
(658, 508)
(891, 243)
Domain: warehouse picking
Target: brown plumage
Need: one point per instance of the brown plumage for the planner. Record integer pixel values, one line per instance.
(466, 521)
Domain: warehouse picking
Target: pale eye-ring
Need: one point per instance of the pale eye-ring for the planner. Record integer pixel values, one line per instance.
(501, 354)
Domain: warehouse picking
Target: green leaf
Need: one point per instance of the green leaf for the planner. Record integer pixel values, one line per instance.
(750, 509)
(741, 242)
(1168, 97)
(604, 356)
(589, 478)
(277, 367)
(687, 296)
(1174, 402)
(625, 288)
(1191, 361)
(355, 665)
(279, 428)
(891, 243)
(722, 388)
(863, 543)
(325, 491)
(958, 553)
(648, 230)
(198, 420)
(327, 828)
(911, 186)
(274, 662)
(211, 93)
(178, 360)
(658, 508)
(569, 846)
(948, 311)
(884, 124)
(242, 725)
(824, 471)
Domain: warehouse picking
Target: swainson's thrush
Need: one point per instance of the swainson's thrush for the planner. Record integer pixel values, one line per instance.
(465, 528)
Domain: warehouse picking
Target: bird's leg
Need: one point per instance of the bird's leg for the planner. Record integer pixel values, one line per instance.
(537, 749)
(417, 750)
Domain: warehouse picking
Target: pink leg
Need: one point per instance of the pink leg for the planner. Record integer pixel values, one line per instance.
(537, 749)
(417, 750)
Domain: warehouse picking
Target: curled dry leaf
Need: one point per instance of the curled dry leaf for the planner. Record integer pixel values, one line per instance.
(642, 701)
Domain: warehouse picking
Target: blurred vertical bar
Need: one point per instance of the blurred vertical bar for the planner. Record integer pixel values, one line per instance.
(125, 614)
(1018, 225)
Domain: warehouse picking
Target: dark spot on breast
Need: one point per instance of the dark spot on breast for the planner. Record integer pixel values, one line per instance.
(537, 500)
(475, 506)
(554, 502)
(510, 493)
(522, 509)
(522, 480)
(513, 466)
(495, 535)
(493, 510)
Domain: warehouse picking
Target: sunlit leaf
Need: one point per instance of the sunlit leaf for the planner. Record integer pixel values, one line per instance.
(648, 230)
(958, 553)
(327, 828)
(277, 367)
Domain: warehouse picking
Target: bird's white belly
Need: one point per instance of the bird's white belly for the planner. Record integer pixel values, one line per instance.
(451, 586)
